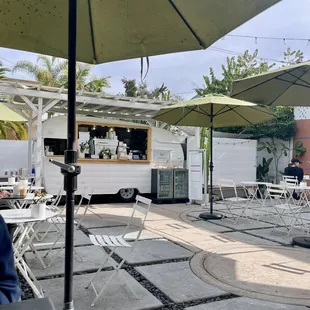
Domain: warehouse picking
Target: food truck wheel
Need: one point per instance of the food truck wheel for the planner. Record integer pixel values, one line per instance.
(127, 194)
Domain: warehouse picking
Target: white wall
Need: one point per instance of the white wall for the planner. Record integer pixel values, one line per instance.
(13, 155)
(234, 159)
(283, 161)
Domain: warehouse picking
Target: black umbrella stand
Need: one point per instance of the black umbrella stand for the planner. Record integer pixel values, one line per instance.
(70, 169)
(206, 215)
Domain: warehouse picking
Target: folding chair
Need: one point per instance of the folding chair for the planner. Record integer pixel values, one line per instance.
(290, 180)
(234, 201)
(141, 206)
(286, 207)
(86, 195)
(54, 206)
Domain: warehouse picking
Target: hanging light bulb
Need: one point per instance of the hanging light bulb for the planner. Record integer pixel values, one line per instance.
(308, 43)
(255, 40)
(128, 129)
(284, 41)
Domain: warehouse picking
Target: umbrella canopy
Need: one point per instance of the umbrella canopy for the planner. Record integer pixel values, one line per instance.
(213, 111)
(286, 86)
(7, 114)
(226, 112)
(111, 30)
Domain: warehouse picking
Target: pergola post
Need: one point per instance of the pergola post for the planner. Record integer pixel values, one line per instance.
(39, 148)
(30, 144)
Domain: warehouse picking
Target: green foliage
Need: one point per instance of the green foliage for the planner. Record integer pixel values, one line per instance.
(283, 126)
(17, 130)
(51, 71)
(262, 170)
(299, 148)
(3, 70)
(133, 89)
(276, 150)
(236, 68)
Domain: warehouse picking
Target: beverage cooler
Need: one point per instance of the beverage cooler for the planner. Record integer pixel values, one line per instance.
(170, 184)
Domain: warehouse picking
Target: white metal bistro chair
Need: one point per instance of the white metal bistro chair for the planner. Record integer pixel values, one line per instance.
(288, 209)
(141, 206)
(54, 206)
(86, 195)
(290, 180)
(233, 202)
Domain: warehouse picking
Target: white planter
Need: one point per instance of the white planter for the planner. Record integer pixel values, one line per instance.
(38, 210)
(81, 155)
(23, 183)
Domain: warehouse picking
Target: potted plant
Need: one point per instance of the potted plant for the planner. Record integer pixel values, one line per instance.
(83, 147)
(105, 153)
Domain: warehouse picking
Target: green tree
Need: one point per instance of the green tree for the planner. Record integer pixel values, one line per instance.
(245, 65)
(236, 68)
(133, 89)
(52, 71)
(46, 70)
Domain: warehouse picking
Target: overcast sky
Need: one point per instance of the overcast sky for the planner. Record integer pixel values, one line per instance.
(182, 72)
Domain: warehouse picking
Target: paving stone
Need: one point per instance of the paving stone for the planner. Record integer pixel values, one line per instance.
(92, 257)
(91, 221)
(278, 235)
(245, 304)
(79, 239)
(153, 251)
(131, 234)
(242, 224)
(211, 227)
(117, 296)
(242, 237)
(178, 282)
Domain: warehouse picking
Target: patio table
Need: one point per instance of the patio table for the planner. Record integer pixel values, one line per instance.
(18, 202)
(26, 231)
(8, 184)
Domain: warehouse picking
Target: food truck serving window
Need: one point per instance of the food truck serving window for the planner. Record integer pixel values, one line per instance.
(113, 143)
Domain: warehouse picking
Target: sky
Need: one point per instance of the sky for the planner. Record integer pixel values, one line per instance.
(182, 72)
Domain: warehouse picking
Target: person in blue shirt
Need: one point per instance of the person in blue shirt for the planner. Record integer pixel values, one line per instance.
(9, 288)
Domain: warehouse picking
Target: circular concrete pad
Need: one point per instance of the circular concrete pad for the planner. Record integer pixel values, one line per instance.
(272, 273)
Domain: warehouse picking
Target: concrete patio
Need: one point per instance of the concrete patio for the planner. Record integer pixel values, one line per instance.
(182, 262)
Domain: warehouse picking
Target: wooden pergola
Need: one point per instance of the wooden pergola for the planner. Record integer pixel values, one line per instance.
(32, 100)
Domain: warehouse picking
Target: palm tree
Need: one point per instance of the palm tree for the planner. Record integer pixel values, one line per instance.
(16, 129)
(84, 80)
(46, 70)
(52, 71)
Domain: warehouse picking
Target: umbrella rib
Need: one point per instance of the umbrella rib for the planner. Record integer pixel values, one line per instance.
(261, 83)
(168, 111)
(92, 31)
(175, 124)
(300, 78)
(242, 117)
(281, 94)
(262, 111)
(188, 25)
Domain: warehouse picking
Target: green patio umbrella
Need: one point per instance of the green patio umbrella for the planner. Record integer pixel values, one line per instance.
(213, 111)
(109, 30)
(286, 86)
(7, 114)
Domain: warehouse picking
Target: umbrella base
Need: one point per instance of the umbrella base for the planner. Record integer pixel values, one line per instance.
(208, 216)
(302, 242)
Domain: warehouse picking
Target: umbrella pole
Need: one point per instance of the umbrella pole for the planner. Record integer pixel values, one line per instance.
(205, 215)
(70, 175)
